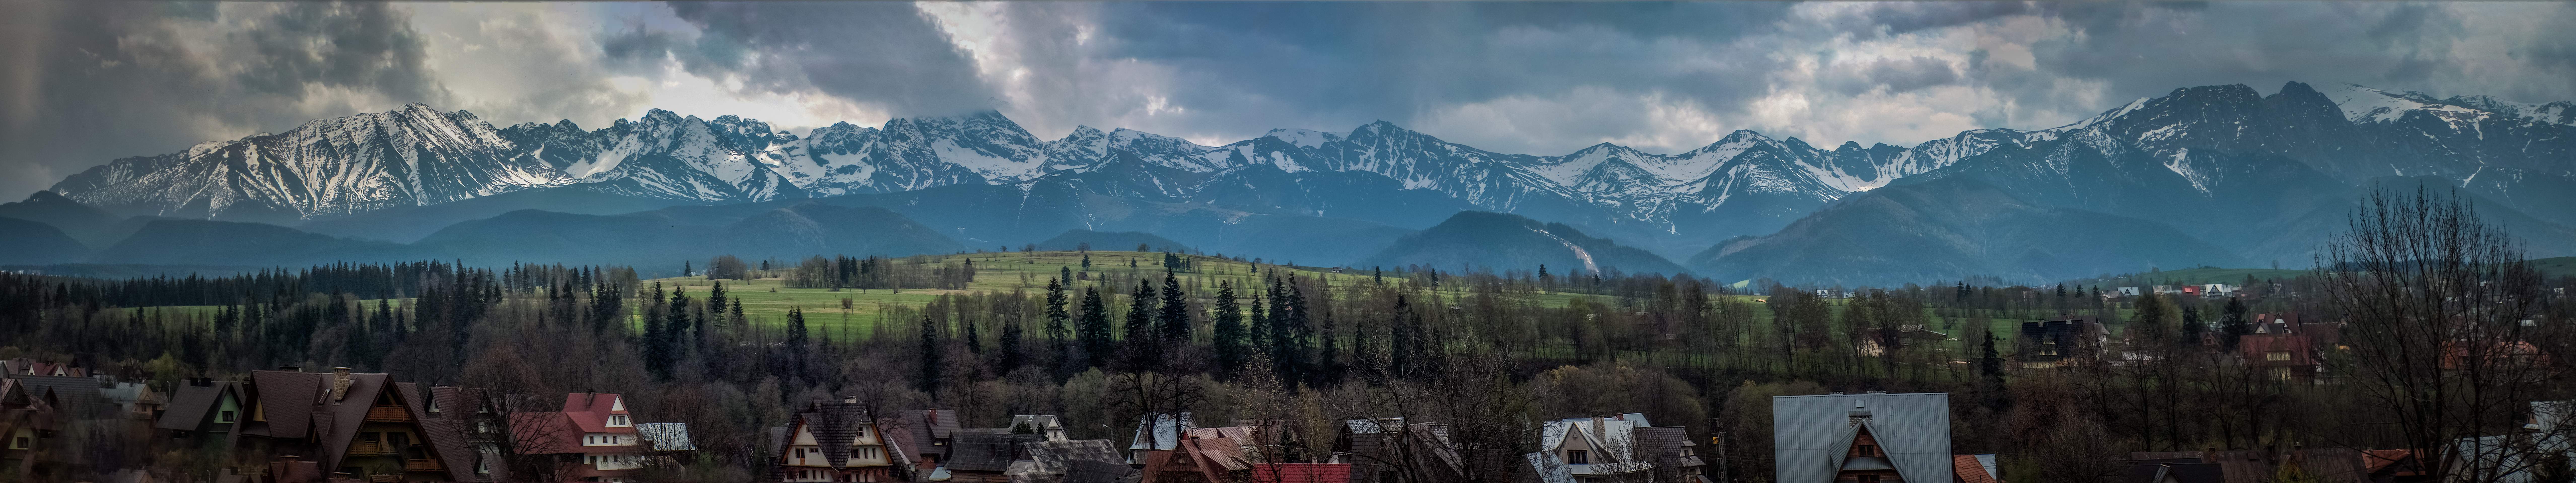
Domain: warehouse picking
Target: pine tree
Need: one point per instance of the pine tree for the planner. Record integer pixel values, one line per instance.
(685, 270)
(1175, 318)
(797, 346)
(1142, 354)
(1056, 317)
(929, 356)
(1086, 262)
(1256, 338)
(1010, 346)
(2192, 327)
(2233, 324)
(974, 340)
(1097, 345)
(1227, 335)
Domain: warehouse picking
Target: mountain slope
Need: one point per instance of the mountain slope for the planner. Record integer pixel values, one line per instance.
(202, 242)
(1498, 241)
(86, 223)
(1949, 230)
(1125, 240)
(27, 242)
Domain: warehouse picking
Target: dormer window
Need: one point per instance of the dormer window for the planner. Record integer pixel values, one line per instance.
(225, 417)
(617, 420)
(1578, 457)
(1865, 450)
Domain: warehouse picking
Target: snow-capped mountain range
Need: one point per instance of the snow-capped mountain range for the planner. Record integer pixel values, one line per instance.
(1743, 184)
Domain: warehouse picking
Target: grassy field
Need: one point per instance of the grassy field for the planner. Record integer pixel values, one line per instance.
(768, 299)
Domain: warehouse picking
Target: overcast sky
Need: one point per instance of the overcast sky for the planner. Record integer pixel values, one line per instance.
(82, 83)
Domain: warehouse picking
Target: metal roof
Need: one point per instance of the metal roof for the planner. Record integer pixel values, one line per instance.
(1810, 434)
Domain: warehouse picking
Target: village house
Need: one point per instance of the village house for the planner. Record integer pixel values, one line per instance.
(1202, 455)
(1371, 445)
(2063, 341)
(838, 441)
(924, 435)
(1620, 447)
(989, 455)
(593, 438)
(1862, 438)
(203, 413)
(2519, 456)
(31, 425)
(316, 426)
(1075, 461)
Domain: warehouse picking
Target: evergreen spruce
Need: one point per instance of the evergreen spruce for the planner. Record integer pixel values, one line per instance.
(1175, 318)
(929, 356)
(1142, 353)
(1010, 346)
(2233, 324)
(1227, 333)
(1056, 318)
(1097, 344)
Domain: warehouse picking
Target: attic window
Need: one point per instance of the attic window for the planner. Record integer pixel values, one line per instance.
(1865, 450)
(1578, 457)
(225, 416)
(1868, 478)
(2276, 356)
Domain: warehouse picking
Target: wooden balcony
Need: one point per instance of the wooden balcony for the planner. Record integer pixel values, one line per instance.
(423, 464)
(370, 449)
(387, 413)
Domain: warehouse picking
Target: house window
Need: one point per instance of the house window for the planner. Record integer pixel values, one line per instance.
(862, 432)
(2276, 356)
(1578, 457)
(2281, 373)
(1868, 478)
(800, 453)
(1865, 450)
(224, 417)
(617, 420)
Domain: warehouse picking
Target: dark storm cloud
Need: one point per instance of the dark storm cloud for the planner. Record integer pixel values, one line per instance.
(82, 83)
(93, 81)
(1342, 64)
(880, 53)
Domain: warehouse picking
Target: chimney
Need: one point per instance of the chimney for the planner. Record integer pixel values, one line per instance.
(340, 381)
(2209, 455)
(1599, 433)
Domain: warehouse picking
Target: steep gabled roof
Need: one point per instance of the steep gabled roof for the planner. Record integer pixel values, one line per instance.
(986, 452)
(74, 397)
(835, 425)
(1058, 456)
(192, 403)
(1811, 434)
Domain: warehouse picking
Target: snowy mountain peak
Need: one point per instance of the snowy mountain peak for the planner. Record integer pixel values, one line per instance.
(1304, 138)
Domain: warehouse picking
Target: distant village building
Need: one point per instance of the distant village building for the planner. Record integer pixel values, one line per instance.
(2060, 342)
(1862, 438)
